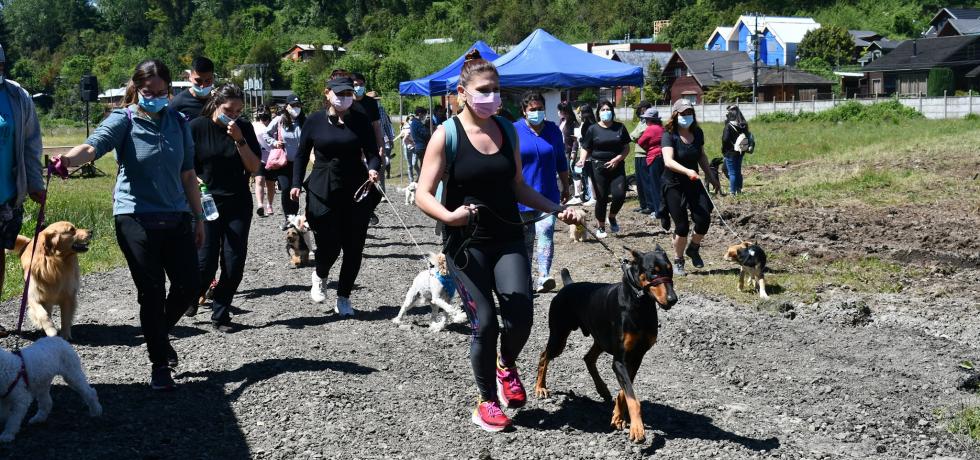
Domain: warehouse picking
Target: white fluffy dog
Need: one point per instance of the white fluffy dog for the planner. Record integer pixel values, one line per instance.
(434, 287)
(410, 193)
(42, 361)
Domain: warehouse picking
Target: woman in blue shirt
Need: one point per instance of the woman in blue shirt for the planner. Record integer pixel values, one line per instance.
(543, 159)
(156, 204)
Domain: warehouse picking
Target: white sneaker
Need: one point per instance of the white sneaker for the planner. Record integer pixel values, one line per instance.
(573, 201)
(316, 288)
(343, 307)
(600, 233)
(589, 203)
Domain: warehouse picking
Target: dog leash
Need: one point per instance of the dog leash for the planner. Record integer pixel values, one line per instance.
(362, 193)
(718, 212)
(39, 225)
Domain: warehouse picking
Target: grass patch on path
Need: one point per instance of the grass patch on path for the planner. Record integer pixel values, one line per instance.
(967, 422)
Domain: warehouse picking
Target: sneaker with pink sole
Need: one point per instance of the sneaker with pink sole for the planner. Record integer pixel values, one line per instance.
(510, 390)
(490, 417)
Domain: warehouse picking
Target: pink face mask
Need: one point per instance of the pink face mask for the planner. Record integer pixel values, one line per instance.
(484, 105)
(341, 103)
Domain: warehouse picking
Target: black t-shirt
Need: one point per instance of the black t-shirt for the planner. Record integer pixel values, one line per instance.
(606, 143)
(216, 158)
(339, 170)
(476, 178)
(367, 106)
(185, 103)
(685, 154)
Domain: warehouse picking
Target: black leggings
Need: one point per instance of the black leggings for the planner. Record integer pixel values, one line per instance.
(284, 176)
(505, 269)
(153, 256)
(693, 197)
(608, 182)
(227, 236)
(338, 231)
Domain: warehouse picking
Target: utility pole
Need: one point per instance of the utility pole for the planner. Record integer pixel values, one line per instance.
(755, 58)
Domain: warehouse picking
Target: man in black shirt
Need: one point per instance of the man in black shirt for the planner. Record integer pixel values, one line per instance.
(368, 106)
(191, 102)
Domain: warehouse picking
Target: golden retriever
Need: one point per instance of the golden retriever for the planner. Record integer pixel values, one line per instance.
(55, 276)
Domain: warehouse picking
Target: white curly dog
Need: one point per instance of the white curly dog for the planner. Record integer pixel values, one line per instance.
(434, 287)
(26, 377)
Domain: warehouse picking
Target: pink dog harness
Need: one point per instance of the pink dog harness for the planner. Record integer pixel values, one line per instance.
(21, 374)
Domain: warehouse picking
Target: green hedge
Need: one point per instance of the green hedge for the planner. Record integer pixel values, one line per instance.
(941, 82)
(891, 111)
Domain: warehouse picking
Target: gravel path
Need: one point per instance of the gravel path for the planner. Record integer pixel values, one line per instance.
(855, 376)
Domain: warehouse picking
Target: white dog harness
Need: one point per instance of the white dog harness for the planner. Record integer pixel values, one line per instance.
(21, 374)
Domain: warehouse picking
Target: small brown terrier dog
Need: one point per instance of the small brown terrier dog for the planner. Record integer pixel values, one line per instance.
(55, 274)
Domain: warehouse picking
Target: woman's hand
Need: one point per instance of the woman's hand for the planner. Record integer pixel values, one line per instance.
(570, 217)
(580, 163)
(693, 175)
(294, 194)
(461, 216)
(614, 162)
(59, 166)
(235, 132)
(199, 234)
(373, 176)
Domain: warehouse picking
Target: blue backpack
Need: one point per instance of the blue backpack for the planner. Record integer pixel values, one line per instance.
(452, 143)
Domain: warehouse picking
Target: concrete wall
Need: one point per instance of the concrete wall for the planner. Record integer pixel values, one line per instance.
(934, 108)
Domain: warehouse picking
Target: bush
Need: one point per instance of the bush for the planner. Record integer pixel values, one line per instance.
(727, 91)
(890, 111)
(941, 82)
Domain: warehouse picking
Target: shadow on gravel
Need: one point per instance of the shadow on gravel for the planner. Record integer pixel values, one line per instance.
(393, 256)
(591, 416)
(272, 291)
(196, 421)
(100, 335)
(399, 243)
(383, 313)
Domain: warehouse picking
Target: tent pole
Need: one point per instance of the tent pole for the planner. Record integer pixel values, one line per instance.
(401, 118)
(430, 114)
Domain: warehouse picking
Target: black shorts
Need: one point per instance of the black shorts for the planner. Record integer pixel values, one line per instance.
(9, 229)
(269, 174)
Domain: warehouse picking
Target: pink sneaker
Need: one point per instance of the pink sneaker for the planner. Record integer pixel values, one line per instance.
(510, 390)
(488, 416)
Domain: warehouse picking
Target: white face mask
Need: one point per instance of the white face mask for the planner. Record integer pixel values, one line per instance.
(295, 111)
(341, 103)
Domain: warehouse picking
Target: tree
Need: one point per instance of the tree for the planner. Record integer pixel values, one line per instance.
(690, 27)
(941, 82)
(831, 43)
(391, 72)
(727, 91)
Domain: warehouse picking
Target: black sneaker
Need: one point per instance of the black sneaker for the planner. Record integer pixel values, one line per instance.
(161, 380)
(191, 310)
(260, 211)
(223, 327)
(692, 252)
(374, 219)
(665, 222)
(172, 359)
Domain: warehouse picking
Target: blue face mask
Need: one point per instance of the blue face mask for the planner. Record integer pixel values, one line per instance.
(202, 92)
(606, 116)
(224, 119)
(359, 91)
(535, 117)
(685, 121)
(153, 104)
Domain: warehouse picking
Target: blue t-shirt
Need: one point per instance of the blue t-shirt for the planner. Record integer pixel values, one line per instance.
(542, 158)
(8, 174)
(151, 154)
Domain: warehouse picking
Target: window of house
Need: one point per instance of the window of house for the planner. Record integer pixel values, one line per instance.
(677, 72)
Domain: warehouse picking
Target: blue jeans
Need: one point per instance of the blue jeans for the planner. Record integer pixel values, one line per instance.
(643, 190)
(656, 172)
(734, 165)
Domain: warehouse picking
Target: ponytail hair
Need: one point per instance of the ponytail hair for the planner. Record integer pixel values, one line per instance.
(219, 96)
(144, 71)
(473, 65)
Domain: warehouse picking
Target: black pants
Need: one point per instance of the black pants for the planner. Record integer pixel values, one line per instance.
(608, 182)
(228, 237)
(155, 255)
(341, 230)
(686, 197)
(284, 176)
(505, 269)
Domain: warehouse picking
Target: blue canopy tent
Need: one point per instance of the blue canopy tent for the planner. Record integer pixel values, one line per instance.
(435, 83)
(543, 61)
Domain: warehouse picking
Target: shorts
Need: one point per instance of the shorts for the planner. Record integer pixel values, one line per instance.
(269, 174)
(10, 227)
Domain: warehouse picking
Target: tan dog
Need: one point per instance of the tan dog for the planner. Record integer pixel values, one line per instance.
(55, 274)
(577, 232)
(299, 241)
(752, 260)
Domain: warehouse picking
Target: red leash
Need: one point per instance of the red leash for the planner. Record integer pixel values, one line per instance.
(37, 231)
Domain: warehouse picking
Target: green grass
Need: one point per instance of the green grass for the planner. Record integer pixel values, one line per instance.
(85, 202)
(967, 422)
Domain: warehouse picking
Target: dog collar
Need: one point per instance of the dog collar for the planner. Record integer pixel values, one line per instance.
(447, 283)
(634, 285)
(21, 374)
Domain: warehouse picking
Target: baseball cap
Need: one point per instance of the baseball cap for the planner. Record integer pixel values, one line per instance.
(651, 114)
(338, 84)
(681, 105)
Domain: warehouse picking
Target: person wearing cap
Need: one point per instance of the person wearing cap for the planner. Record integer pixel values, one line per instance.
(340, 194)
(369, 107)
(639, 161)
(683, 150)
(284, 131)
(191, 102)
(542, 161)
(654, 161)
(20, 161)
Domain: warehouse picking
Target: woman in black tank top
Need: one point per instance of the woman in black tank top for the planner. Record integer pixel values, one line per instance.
(485, 241)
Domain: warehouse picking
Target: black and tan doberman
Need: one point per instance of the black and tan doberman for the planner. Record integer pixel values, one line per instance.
(622, 320)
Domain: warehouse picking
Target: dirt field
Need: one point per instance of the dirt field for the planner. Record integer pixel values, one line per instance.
(835, 372)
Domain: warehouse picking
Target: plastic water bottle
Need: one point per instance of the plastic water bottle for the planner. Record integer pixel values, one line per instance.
(207, 202)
